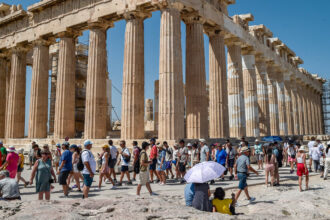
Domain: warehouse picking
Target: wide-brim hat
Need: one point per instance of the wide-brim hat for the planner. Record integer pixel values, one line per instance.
(202, 140)
(245, 149)
(11, 149)
(302, 148)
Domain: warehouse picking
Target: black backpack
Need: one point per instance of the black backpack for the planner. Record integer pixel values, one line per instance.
(127, 159)
(80, 164)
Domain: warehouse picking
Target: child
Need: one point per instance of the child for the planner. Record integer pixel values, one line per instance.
(222, 205)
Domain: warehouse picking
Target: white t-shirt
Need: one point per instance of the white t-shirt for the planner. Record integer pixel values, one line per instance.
(316, 154)
(125, 151)
(113, 152)
(175, 154)
(310, 147)
(87, 156)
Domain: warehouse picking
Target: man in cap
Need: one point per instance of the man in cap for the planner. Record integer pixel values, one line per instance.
(8, 187)
(205, 151)
(153, 157)
(144, 175)
(241, 169)
(65, 167)
(89, 170)
(114, 156)
(183, 159)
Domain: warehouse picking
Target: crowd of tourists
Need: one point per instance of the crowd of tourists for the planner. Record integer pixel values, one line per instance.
(159, 163)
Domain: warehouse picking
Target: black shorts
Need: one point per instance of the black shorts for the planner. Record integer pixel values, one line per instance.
(137, 168)
(182, 167)
(152, 166)
(112, 163)
(124, 168)
(20, 169)
(63, 177)
(231, 163)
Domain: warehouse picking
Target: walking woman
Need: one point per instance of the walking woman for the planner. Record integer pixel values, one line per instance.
(20, 167)
(43, 173)
(270, 167)
(302, 167)
(292, 155)
(75, 159)
(105, 170)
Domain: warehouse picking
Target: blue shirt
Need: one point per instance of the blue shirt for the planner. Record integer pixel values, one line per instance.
(161, 156)
(67, 156)
(221, 156)
(189, 193)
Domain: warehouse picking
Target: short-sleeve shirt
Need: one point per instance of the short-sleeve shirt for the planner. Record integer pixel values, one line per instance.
(161, 156)
(153, 152)
(204, 150)
(3, 151)
(184, 154)
(258, 149)
(169, 154)
(87, 156)
(222, 206)
(231, 153)
(113, 152)
(67, 156)
(9, 188)
(242, 162)
(136, 152)
(144, 159)
(123, 162)
(221, 156)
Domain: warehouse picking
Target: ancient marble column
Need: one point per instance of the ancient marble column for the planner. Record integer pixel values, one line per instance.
(250, 94)
(219, 122)
(306, 117)
(288, 104)
(196, 100)
(281, 104)
(132, 116)
(39, 91)
(273, 102)
(320, 112)
(15, 121)
(96, 86)
(149, 111)
(263, 101)
(235, 91)
(295, 107)
(313, 112)
(300, 102)
(171, 98)
(156, 105)
(65, 89)
(3, 70)
(53, 83)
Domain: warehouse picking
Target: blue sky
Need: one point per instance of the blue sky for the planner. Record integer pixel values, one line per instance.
(303, 25)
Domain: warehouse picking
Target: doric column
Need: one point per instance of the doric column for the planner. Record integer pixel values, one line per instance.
(300, 102)
(52, 101)
(65, 89)
(16, 99)
(250, 94)
(218, 107)
(39, 91)
(288, 103)
(171, 98)
(281, 104)
(235, 90)
(295, 107)
(263, 101)
(313, 111)
(306, 112)
(273, 106)
(3, 74)
(320, 113)
(195, 90)
(96, 111)
(156, 105)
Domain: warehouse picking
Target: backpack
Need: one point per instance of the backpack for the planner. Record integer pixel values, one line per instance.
(80, 164)
(127, 159)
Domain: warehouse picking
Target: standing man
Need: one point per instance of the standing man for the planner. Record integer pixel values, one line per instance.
(231, 156)
(241, 168)
(310, 147)
(89, 167)
(205, 151)
(168, 159)
(113, 159)
(153, 157)
(65, 168)
(136, 161)
(183, 158)
(124, 159)
(144, 175)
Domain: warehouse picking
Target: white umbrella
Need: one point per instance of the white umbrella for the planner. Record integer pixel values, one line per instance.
(204, 172)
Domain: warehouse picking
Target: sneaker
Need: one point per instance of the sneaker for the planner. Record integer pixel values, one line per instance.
(115, 180)
(79, 190)
(133, 179)
(119, 184)
(252, 199)
(325, 178)
(107, 181)
(74, 186)
(113, 187)
(231, 177)
(182, 182)
(291, 171)
(212, 182)
(236, 204)
(153, 194)
(129, 183)
(98, 189)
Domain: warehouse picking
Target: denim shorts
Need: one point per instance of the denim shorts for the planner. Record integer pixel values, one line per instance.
(88, 180)
(242, 181)
(152, 166)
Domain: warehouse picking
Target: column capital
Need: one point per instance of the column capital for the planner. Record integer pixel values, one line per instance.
(136, 15)
(166, 5)
(44, 42)
(248, 51)
(193, 18)
(21, 48)
(213, 31)
(69, 32)
(100, 24)
(230, 41)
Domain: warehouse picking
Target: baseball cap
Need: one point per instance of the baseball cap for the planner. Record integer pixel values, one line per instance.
(88, 142)
(66, 143)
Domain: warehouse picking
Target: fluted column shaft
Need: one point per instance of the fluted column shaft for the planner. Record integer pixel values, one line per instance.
(39, 92)
(196, 100)
(300, 102)
(65, 89)
(281, 104)
(250, 95)
(313, 111)
(295, 108)
(156, 105)
(288, 104)
(235, 91)
(96, 86)
(219, 122)
(273, 106)
(3, 74)
(16, 99)
(263, 101)
(320, 113)
(171, 98)
(306, 112)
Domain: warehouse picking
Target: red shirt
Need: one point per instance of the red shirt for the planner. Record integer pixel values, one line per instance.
(153, 152)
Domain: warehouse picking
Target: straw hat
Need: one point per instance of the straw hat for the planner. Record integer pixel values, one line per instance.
(244, 149)
(302, 148)
(11, 149)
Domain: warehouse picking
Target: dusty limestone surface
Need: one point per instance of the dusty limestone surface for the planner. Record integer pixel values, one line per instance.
(284, 202)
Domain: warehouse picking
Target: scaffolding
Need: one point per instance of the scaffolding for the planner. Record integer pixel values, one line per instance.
(326, 106)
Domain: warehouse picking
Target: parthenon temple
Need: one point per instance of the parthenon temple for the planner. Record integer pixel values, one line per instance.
(256, 87)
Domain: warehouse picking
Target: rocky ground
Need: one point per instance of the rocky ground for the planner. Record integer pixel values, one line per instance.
(284, 202)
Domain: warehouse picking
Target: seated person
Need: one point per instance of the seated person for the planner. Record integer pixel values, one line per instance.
(8, 187)
(222, 205)
(189, 193)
